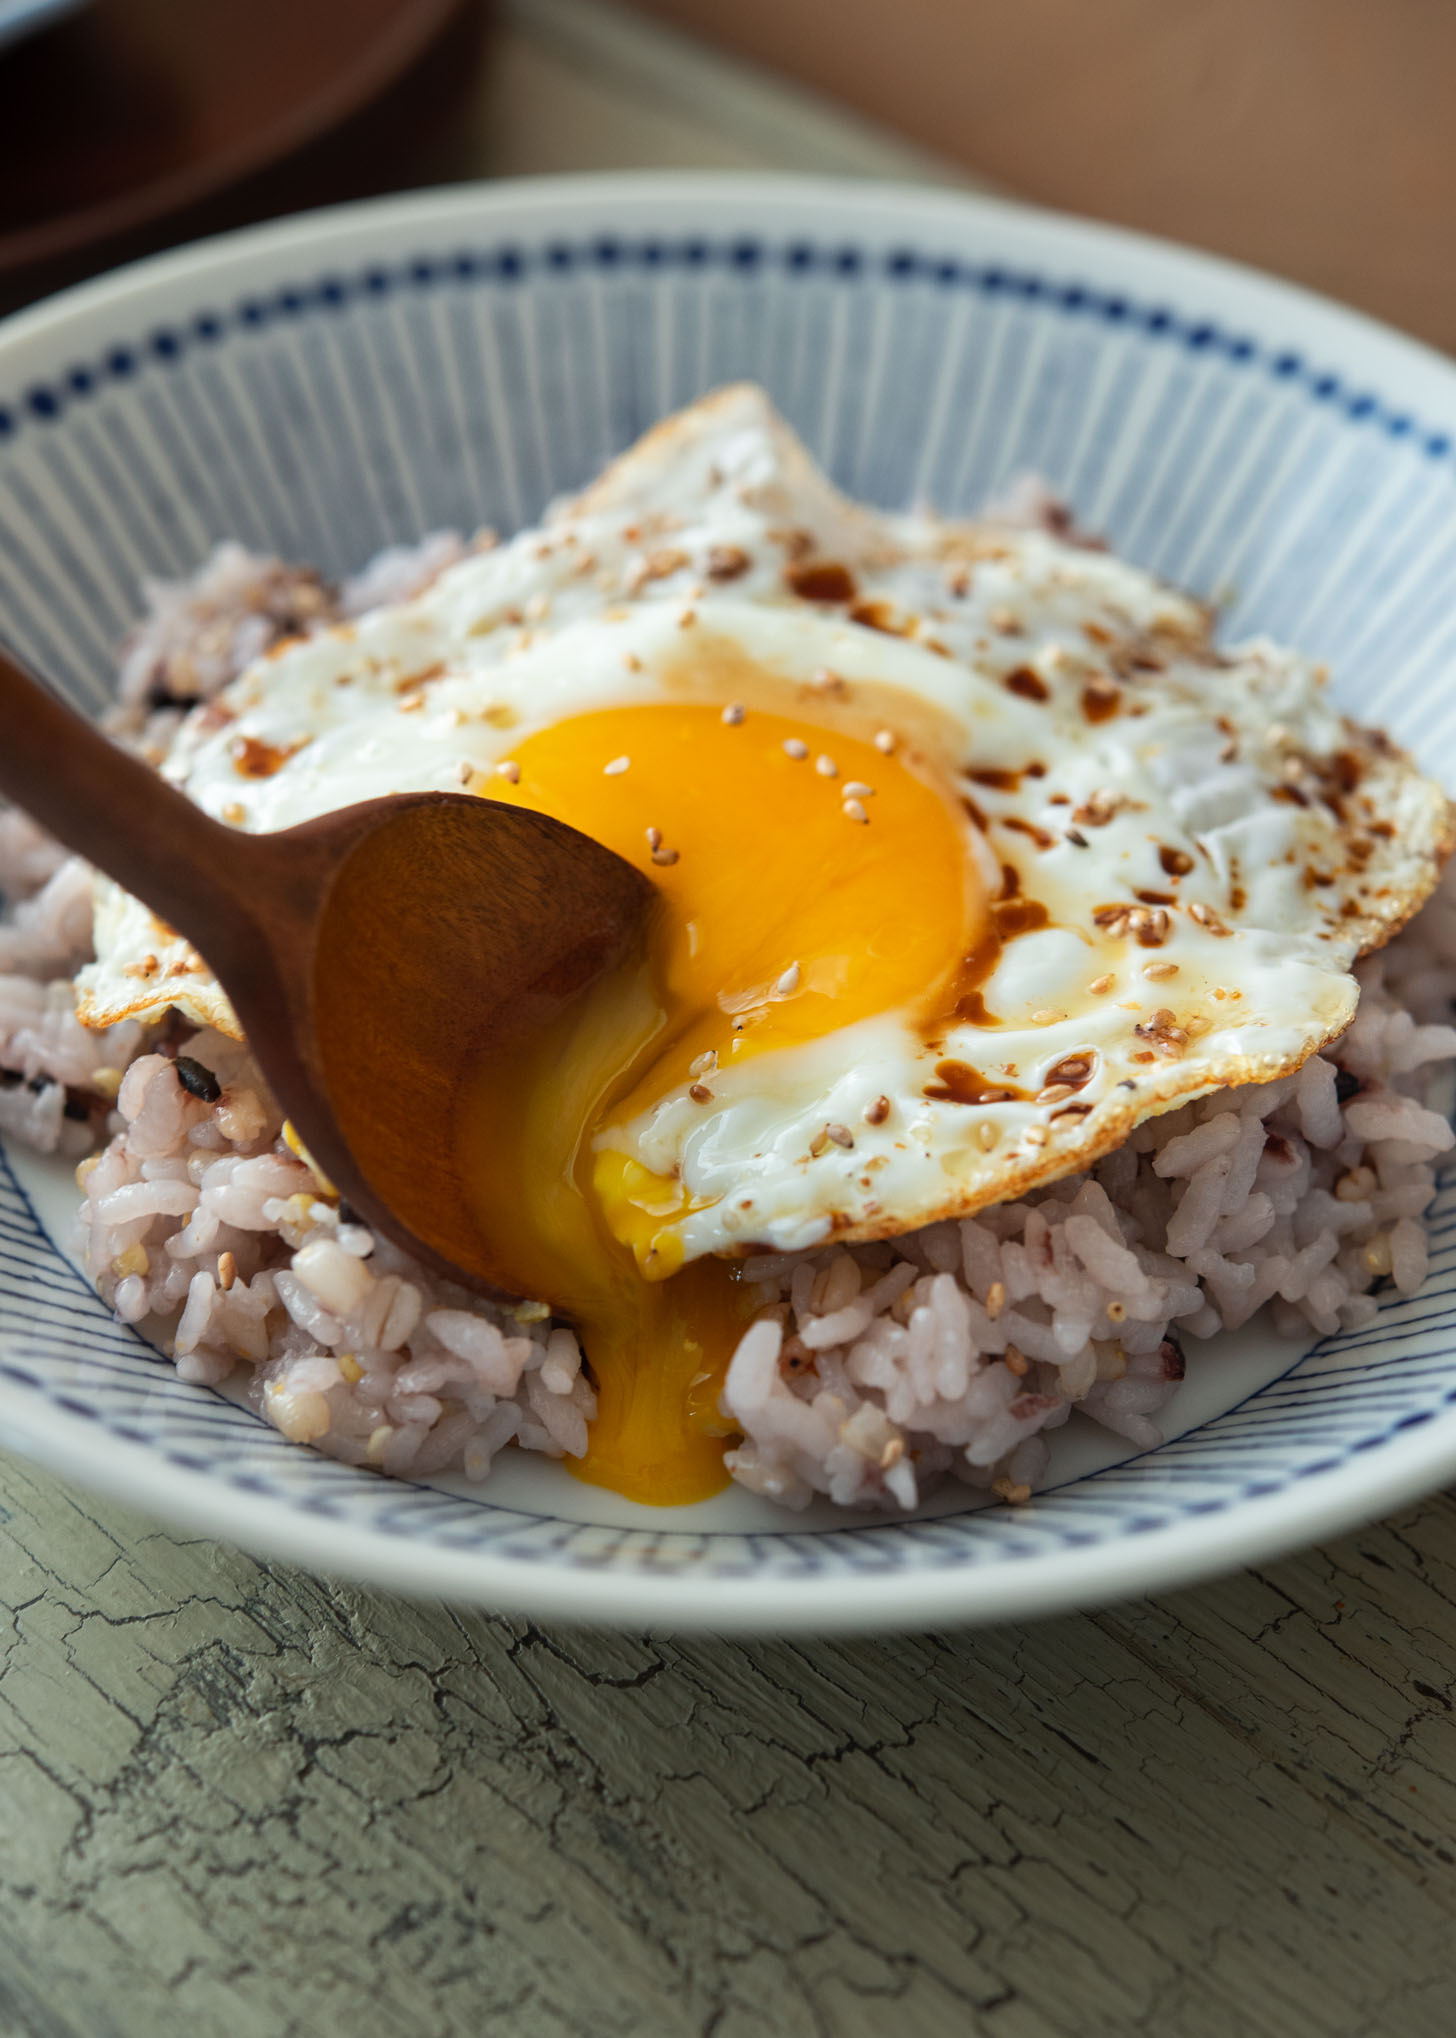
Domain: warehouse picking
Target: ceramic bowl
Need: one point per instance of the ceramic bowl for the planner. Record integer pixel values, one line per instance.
(325, 386)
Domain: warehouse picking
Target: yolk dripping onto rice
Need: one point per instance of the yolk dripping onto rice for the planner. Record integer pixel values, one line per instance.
(793, 902)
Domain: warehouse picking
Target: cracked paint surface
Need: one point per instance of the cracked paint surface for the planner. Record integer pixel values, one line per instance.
(238, 1800)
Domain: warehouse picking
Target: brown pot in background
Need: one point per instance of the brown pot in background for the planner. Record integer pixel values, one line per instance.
(1313, 137)
(139, 124)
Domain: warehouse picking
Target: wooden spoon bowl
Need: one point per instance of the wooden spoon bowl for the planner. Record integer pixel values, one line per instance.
(373, 956)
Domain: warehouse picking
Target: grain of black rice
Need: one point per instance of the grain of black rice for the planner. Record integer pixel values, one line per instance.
(196, 1080)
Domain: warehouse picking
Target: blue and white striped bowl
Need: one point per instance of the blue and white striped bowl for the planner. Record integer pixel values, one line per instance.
(325, 386)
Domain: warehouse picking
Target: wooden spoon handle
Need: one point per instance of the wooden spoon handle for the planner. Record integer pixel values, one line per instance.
(113, 809)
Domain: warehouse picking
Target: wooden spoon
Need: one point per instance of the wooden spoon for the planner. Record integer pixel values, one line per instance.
(373, 956)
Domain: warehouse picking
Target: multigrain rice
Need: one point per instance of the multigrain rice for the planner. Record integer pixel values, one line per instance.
(870, 1373)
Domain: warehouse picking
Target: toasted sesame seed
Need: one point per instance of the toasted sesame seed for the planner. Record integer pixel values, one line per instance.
(893, 1452)
(885, 742)
(788, 983)
(1015, 1360)
(726, 562)
(664, 856)
(840, 1134)
(659, 565)
(700, 1093)
(877, 1112)
(854, 810)
(1158, 972)
(617, 766)
(1046, 1017)
(1099, 807)
(510, 771)
(734, 713)
(705, 1063)
(988, 1136)
(1077, 839)
(826, 767)
(1100, 984)
(858, 790)
(796, 747)
(227, 1271)
(1036, 1135)
(235, 813)
(1054, 1093)
(1164, 1018)
(995, 1299)
(1075, 1069)
(654, 838)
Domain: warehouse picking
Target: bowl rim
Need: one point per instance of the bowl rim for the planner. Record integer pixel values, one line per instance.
(865, 203)
(1404, 1468)
(1254, 1530)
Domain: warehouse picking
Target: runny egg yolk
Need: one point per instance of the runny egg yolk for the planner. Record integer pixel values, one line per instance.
(806, 880)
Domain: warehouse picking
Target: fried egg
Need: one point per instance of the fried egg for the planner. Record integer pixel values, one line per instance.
(973, 853)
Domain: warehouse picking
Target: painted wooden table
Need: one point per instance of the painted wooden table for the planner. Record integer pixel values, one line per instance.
(239, 1802)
